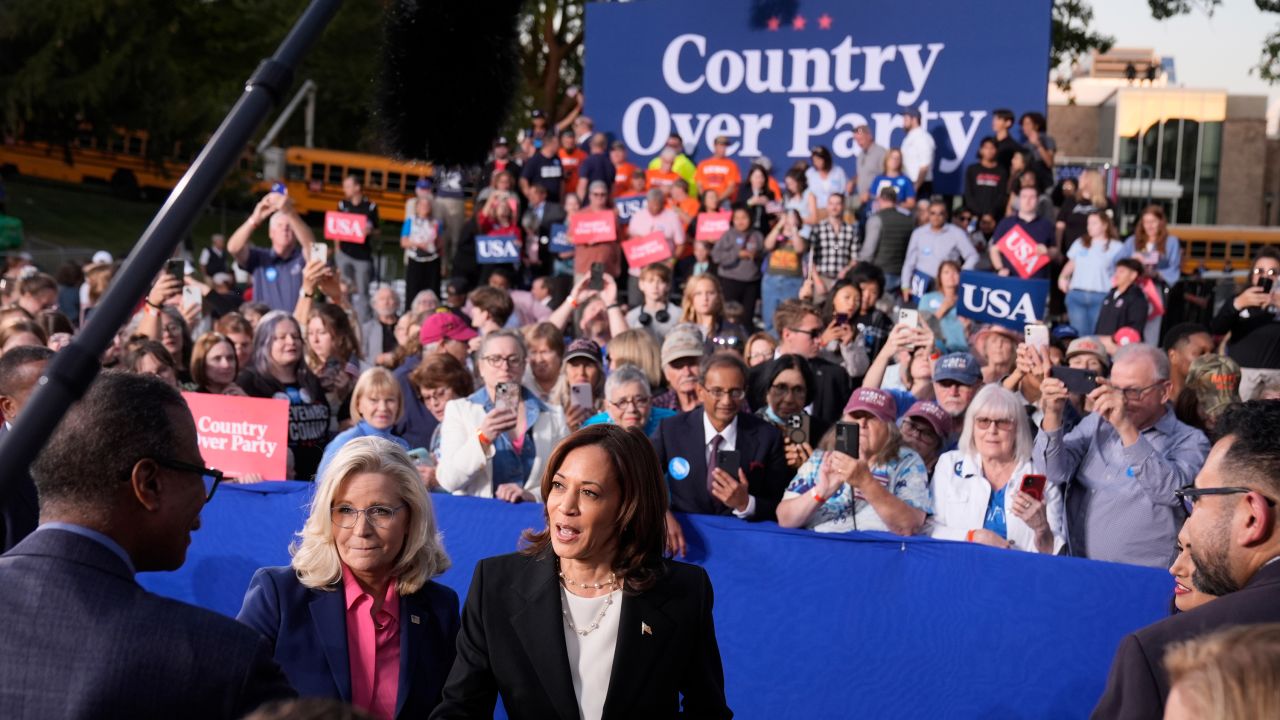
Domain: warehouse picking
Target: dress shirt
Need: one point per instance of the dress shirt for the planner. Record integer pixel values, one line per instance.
(95, 536)
(1121, 507)
(373, 647)
(917, 152)
(728, 441)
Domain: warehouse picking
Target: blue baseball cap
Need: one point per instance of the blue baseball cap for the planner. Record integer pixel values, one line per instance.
(423, 184)
(959, 367)
(1064, 332)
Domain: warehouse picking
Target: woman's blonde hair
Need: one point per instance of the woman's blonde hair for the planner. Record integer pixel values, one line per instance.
(315, 554)
(1091, 186)
(637, 347)
(687, 314)
(376, 379)
(1232, 673)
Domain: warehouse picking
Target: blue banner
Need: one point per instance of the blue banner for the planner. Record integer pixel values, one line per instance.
(628, 205)
(778, 78)
(1009, 301)
(497, 249)
(921, 282)
(560, 239)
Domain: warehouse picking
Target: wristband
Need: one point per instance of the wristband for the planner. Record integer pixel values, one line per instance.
(481, 437)
(818, 498)
(153, 305)
(574, 302)
(615, 306)
(968, 537)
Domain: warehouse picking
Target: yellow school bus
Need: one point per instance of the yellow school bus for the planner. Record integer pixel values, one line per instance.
(120, 160)
(1219, 245)
(314, 179)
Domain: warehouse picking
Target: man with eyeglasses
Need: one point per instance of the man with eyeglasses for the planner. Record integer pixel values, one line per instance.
(1121, 464)
(1234, 541)
(690, 447)
(929, 246)
(1251, 321)
(121, 487)
(800, 325)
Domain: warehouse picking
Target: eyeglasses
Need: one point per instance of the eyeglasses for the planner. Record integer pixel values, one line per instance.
(638, 402)
(497, 361)
(211, 477)
(734, 394)
(726, 340)
(1002, 424)
(1192, 493)
(173, 329)
(1269, 272)
(379, 516)
(919, 428)
(792, 390)
(1135, 394)
(813, 333)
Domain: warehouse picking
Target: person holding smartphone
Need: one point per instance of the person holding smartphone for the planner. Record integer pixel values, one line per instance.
(1251, 320)
(987, 491)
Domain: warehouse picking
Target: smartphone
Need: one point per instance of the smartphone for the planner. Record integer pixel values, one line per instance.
(1266, 283)
(421, 456)
(1079, 382)
(1033, 485)
(1036, 335)
(580, 395)
(191, 296)
(847, 438)
(797, 429)
(508, 395)
(842, 318)
(729, 461)
(597, 277)
(177, 267)
(319, 252)
(909, 317)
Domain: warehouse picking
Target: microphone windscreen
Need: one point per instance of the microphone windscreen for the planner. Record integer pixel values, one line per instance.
(449, 72)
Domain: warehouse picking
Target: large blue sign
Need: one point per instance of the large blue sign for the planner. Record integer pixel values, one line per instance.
(1009, 301)
(779, 78)
(497, 249)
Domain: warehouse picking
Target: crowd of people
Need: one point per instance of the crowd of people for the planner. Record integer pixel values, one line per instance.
(748, 361)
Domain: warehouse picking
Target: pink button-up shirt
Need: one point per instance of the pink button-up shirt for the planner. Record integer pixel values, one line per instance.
(373, 647)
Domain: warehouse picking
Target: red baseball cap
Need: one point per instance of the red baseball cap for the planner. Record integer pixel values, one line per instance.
(875, 401)
(445, 325)
(1126, 336)
(932, 413)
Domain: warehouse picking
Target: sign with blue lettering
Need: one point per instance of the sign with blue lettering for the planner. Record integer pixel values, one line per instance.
(628, 205)
(779, 78)
(497, 249)
(560, 239)
(1009, 301)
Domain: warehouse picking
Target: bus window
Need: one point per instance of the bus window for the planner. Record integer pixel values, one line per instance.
(117, 143)
(335, 174)
(135, 145)
(358, 172)
(410, 182)
(393, 181)
(1239, 250)
(317, 171)
(295, 172)
(375, 178)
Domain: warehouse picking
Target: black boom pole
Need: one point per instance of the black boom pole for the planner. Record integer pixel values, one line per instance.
(74, 368)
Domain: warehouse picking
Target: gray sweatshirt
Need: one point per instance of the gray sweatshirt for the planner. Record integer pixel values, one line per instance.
(725, 255)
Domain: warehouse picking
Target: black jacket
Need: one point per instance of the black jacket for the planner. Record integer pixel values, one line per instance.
(512, 645)
(1255, 339)
(1122, 310)
(1138, 684)
(831, 389)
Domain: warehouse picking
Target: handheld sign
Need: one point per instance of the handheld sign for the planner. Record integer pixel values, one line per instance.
(628, 205)
(591, 227)
(920, 283)
(712, 225)
(989, 298)
(1019, 249)
(345, 227)
(646, 249)
(241, 435)
(559, 241)
(497, 249)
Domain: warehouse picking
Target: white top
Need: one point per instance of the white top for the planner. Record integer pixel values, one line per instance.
(591, 657)
(917, 152)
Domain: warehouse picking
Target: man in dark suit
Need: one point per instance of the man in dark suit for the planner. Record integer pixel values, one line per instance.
(1234, 541)
(121, 487)
(688, 444)
(537, 222)
(20, 369)
(799, 325)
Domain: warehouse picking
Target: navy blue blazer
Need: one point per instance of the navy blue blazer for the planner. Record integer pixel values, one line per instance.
(82, 639)
(759, 446)
(19, 506)
(308, 629)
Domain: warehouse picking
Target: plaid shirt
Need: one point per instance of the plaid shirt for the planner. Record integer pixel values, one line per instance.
(833, 249)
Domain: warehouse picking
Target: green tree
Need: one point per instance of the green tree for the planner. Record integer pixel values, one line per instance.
(1268, 67)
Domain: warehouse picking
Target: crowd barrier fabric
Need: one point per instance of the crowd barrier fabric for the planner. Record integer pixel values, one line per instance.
(810, 626)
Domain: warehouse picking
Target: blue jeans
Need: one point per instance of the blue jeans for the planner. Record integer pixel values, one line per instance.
(773, 290)
(1083, 307)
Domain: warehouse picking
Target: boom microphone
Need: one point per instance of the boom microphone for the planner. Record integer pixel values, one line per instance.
(449, 71)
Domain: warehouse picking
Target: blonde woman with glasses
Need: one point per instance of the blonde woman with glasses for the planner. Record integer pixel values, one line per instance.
(357, 615)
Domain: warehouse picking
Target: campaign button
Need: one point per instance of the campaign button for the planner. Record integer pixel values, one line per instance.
(678, 468)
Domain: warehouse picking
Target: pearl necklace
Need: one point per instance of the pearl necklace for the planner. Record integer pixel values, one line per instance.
(595, 624)
(611, 582)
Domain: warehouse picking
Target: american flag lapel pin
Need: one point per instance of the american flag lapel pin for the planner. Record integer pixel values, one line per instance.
(415, 619)
(645, 629)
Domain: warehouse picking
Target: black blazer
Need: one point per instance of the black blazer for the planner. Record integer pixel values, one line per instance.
(1138, 685)
(759, 446)
(831, 389)
(512, 644)
(307, 629)
(83, 640)
(19, 505)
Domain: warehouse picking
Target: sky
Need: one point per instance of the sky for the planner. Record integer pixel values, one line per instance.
(1210, 52)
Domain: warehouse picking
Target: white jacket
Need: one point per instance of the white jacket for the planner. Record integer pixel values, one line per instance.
(465, 465)
(961, 495)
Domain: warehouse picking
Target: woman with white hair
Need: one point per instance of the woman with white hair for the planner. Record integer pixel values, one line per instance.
(981, 491)
(627, 402)
(357, 616)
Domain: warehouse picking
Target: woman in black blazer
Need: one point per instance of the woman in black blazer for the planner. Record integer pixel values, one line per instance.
(589, 620)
